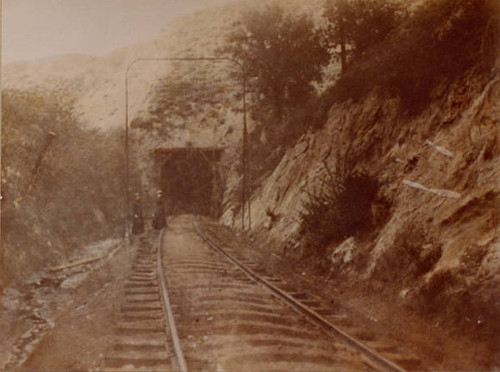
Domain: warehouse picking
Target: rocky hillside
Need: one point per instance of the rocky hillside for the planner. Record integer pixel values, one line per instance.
(438, 176)
(429, 238)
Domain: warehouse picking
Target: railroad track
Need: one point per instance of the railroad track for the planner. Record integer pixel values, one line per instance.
(229, 315)
(334, 320)
(145, 337)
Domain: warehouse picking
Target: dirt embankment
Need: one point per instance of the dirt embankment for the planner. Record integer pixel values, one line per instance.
(433, 243)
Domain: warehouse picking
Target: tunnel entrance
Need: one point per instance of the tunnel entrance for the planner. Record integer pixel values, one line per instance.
(190, 180)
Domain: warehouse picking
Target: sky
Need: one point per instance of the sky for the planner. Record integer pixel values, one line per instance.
(34, 29)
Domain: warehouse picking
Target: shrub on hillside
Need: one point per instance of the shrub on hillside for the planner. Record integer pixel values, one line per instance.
(341, 210)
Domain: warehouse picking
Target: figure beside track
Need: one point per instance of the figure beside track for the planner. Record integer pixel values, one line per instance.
(159, 219)
(137, 218)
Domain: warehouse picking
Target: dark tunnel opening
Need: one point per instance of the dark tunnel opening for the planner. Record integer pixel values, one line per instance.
(191, 183)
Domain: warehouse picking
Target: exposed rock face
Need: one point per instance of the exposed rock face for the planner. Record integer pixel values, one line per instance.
(439, 177)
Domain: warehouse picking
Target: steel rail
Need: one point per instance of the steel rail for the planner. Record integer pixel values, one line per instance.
(170, 327)
(313, 315)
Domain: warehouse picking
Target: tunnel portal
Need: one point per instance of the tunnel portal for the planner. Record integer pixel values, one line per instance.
(190, 180)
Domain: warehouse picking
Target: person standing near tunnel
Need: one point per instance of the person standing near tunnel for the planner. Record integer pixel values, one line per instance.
(137, 218)
(159, 219)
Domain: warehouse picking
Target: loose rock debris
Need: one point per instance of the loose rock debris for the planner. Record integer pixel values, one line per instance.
(29, 308)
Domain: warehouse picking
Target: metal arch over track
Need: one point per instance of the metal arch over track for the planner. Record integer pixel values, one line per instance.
(245, 196)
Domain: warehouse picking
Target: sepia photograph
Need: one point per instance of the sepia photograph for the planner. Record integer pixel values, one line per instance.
(250, 185)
